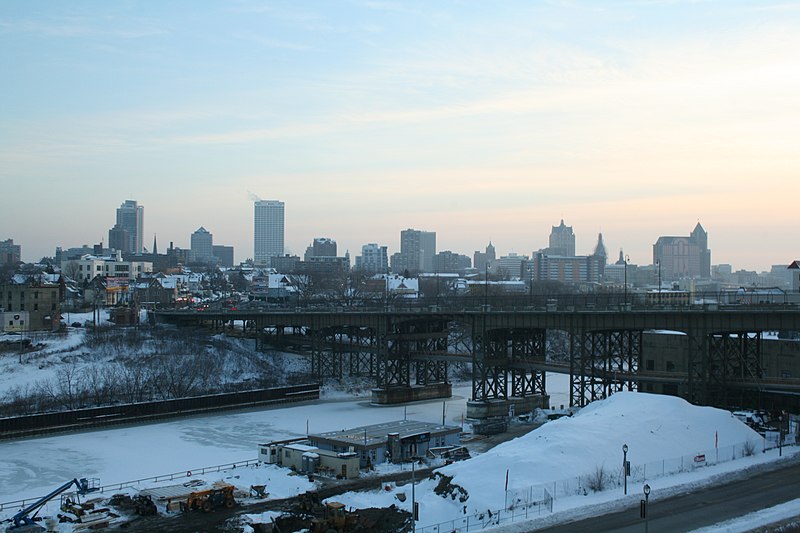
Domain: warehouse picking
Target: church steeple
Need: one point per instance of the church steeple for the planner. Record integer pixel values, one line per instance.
(600, 249)
(155, 246)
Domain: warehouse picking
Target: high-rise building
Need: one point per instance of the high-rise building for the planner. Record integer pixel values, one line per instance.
(10, 253)
(130, 217)
(321, 247)
(224, 255)
(562, 241)
(683, 257)
(483, 260)
(450, 262)
(202, 245)
(417, 249)
(268, 231)
(374, 259)
(118, 239)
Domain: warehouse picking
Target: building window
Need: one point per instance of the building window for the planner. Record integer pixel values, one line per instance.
(35, 307)
(22, 306)
(670, 366)
(35, 295)
(650, 364)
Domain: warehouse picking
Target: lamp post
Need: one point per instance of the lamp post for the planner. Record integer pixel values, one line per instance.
(486, 287)
(413, 497)
(625, 469)
(658, 263)
(646, 490)
(627, 258)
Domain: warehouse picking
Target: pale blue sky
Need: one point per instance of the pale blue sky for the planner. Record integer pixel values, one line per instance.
(477, 120)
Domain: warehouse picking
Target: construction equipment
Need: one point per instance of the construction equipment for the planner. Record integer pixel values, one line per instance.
(221, 494)
(144, 505)
(336, 518)
(24, 518)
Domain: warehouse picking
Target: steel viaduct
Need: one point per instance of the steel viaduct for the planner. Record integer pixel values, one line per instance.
(407, 351)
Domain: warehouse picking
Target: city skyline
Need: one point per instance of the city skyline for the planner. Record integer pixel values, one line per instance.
(478, 122)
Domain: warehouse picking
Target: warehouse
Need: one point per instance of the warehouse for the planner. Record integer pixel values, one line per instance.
(395, 442)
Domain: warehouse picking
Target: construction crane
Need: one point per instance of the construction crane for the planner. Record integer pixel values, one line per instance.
(22, 520)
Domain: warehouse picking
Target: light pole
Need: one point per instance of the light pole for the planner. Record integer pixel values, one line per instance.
(625, 469)
(646, 490)
(413, 497)
(658, 263)
(627, 258)
(486, 287)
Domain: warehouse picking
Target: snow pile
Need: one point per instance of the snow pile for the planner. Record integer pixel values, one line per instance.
(654, 427)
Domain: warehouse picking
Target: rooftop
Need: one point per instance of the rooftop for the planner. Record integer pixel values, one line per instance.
(377, 433)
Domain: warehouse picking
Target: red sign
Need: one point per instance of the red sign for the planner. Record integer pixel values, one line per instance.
(700, 458)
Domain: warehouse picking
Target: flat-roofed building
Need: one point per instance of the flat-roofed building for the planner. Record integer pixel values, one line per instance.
(396, 441)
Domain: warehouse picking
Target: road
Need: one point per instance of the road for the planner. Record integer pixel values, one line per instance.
(701, 507)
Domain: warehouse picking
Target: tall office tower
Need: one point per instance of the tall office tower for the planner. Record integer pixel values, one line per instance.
(10, 253)
(130, 217)
(268, 234)
(374, 259)
(683, 257)
(417, 249)
(483, 260)
(202, 246)
(321, 247)
(118, 239)
(562, 241)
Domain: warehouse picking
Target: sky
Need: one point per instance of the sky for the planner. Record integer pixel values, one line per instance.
(477, 120)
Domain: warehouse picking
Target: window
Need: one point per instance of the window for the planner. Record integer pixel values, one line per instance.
(22, 306)
(36, 307)
(35, 295)
(670, 366)
(650, 364)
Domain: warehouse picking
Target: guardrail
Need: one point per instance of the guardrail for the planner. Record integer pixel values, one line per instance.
(154, 479)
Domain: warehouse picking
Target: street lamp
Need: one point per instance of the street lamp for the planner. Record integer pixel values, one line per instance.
(486, 287)
(658, 263)
(625, 468)
(627, 258)
(646, 490)
(414, 514)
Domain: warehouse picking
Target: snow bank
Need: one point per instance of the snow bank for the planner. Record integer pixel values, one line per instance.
(654, 427)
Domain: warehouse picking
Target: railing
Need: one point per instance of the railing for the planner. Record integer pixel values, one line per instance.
(477, 301)
(482, 520)
(525, 503)
(154, 479)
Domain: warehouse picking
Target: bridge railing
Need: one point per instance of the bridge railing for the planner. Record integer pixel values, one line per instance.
(605, 301)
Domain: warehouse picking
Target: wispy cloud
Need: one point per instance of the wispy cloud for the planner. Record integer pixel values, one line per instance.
(76, 27)
(269, 42)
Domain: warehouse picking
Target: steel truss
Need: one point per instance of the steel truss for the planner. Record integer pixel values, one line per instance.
(414, 348)
(732, 357)
(503, 366)
(602, 363)
(346, 350)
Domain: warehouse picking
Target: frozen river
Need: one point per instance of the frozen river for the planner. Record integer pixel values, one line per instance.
(33, 467)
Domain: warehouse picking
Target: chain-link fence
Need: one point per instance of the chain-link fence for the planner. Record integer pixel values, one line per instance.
(531, 501)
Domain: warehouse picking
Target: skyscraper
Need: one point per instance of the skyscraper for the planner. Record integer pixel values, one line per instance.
(373, 259)
(130, 218)
(683, 257)
(202, 245)
(562, 241)
(268, 231)
(417, 249)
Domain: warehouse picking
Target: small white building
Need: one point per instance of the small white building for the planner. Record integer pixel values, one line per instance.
(310, 459)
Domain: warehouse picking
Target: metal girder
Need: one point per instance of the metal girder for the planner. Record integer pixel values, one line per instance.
(503, 368)
(732, 356)
(600, 361)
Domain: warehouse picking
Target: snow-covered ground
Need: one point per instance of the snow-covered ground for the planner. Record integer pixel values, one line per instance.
(661, 432)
